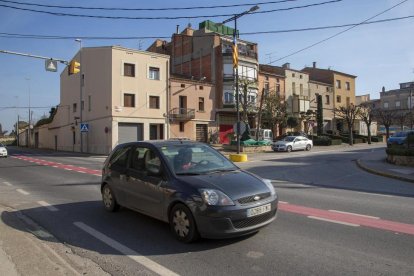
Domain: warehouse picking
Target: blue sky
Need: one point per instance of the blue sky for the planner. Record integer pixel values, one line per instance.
(379, 54)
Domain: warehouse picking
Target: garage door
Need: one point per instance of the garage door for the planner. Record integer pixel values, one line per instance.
(201, 133)
(130, 132)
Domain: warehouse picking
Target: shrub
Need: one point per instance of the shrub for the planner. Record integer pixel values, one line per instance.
(377, 138)
(322, 141)
(400, 151)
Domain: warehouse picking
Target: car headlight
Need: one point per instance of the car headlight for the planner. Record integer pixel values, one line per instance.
(215, 197)
(269, 184)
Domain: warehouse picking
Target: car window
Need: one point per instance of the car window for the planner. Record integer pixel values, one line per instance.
(119, 158)
(289, 138)
(145, 160)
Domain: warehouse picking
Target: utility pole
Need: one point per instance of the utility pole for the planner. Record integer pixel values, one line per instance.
(29, 140)
(80, 93)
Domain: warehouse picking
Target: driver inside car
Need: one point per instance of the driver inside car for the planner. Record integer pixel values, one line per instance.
(184, 159)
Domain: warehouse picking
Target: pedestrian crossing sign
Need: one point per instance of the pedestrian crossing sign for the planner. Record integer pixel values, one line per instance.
(84, 127)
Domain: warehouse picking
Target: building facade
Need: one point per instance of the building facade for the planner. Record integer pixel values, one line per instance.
(119, 96)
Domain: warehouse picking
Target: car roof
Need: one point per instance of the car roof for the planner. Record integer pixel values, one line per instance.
(161, 143)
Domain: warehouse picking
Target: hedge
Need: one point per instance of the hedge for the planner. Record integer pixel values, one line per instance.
(400, 151)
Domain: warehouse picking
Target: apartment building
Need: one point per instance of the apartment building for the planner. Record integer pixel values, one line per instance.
(191, 112)
(398, 99)
(326, 91)
(271, 80)
(206, 53)
(119, 96)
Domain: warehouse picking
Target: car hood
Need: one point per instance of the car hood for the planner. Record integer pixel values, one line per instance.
(396, 139)
(235, 184)
(283, 143)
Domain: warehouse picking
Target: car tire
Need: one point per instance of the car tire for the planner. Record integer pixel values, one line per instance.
(182, 224)
(308, 147)
(108, 198)
(289, 148)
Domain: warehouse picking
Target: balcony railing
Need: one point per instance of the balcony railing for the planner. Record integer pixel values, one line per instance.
(182, 114)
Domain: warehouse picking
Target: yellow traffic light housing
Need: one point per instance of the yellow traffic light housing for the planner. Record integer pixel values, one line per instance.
(74, 67)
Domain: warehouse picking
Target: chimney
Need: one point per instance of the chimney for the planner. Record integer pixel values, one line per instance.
(286, 65)
(314, 64)
(178, 26)
(383, 89)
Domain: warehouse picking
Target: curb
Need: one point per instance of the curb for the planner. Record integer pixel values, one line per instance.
(365, 168)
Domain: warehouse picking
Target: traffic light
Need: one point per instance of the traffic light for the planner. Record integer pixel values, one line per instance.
(74, 67)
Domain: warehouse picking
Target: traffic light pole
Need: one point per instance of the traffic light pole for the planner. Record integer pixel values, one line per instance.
(34, 56)
(80, 93)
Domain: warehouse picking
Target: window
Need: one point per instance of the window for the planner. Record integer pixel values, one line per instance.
(338, 99)
(129, 100)
(300, 76)
(397, 104)
(385, 105)
(327, 89)
(129, 69)
(182, 85)
(228, 98)
(89, 103)
(347, 85)
(293, 75)
(201, 104)
(338, 83)
(294, 88)
(119, 158)
(278, 88)
(327, 99)
(267, 78)
(301, 89)
(277, 80)
(74, 107)
(154, 102)
(201, 87)
(154, 73)
(181, 126)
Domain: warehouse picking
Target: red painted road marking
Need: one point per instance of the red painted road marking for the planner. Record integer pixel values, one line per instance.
(350, 218)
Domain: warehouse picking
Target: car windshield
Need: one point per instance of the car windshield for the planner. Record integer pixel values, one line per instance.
(289, 139)
(194, 159)
(1, 145)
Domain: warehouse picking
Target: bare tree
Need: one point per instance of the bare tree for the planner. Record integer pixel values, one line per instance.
(385, 118)
(401, 119)
(247, 105)
(348, 114)
(274, 111)
(366, 114)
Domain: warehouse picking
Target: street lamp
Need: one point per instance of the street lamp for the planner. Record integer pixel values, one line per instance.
(236, 69)
(80, 93)
(28, 131)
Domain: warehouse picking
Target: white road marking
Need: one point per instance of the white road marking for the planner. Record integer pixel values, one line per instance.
(354, 214)
(68, 169)
(81, 172)
(365, 193)
(7, 183)
(98, 174)
(137, 257)
(334, 221)
(23, 192)
(283, 202)
(55, 166)
(48, 206)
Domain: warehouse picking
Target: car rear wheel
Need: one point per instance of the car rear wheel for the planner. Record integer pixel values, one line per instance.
(289, 148)
(182, 224)
(109, 200)
(308, 147)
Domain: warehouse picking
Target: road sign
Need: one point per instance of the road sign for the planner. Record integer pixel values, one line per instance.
(84, 127)
(51, 65)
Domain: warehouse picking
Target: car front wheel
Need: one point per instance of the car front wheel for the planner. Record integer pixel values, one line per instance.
(182, 224)
(109, 200)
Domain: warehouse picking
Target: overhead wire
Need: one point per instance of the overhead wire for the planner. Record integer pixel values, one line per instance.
(167, 17)
(337, 34)
(36, 36)
(148, 9)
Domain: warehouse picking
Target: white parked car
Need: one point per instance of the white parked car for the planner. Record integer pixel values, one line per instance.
(3, 150)
(290, 143)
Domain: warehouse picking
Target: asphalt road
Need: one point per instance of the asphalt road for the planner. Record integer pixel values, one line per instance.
(334, 219)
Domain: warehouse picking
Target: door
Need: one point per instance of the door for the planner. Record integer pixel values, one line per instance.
(117, 179)
(145, 185)
(156, 131)
(130, 132)
(201, 133)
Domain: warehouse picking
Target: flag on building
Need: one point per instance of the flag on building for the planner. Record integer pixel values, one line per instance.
(235, 53)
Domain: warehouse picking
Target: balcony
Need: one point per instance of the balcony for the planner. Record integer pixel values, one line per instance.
(182, 114)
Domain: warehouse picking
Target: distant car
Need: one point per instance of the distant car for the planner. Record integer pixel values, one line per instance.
(3, 151)
(190, 185)
(291, 143)
(399, 138)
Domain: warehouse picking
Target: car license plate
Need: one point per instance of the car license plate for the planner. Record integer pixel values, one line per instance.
(258, 210)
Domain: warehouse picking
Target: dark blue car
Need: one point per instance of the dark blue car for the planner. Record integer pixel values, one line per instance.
(399, 138)
(190, 185)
